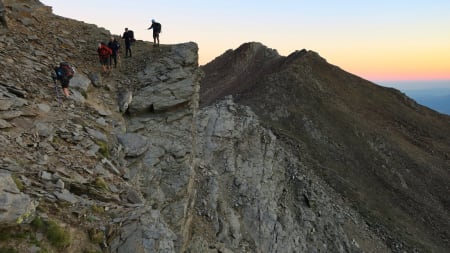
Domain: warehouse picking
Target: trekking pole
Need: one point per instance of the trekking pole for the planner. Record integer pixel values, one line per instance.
(57, 91)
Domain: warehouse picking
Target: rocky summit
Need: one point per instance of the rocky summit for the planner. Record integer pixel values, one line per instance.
(253, 152)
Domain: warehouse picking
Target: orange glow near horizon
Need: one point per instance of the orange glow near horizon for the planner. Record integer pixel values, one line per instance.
(405, 64)
(376, 40)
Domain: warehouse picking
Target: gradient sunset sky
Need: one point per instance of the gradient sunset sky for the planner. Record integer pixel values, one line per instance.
(380, 40)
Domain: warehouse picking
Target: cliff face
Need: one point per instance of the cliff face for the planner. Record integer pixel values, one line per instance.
(385, 154)
(130, 163)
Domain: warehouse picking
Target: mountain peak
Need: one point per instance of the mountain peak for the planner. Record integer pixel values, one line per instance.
(363, 139)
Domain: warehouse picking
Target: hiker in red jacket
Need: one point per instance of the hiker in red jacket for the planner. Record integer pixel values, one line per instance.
(103, 54)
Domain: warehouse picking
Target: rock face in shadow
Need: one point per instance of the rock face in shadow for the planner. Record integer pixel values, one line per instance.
(256, 194)
(386, 154)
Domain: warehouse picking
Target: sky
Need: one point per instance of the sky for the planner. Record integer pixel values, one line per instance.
(384, 41)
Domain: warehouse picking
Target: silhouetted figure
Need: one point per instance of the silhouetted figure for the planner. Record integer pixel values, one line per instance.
(3, 15)
(104, 52)
(114, 45)
(128, 36)
(156, 31)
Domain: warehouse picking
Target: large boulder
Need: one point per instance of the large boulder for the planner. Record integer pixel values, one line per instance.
(163, 96)
(15, 207)
(80, 82)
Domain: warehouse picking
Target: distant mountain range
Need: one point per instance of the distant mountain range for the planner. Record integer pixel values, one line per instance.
(436, 97)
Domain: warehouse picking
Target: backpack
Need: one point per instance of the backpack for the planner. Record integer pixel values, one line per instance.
(131, 36)
(105, 51)
(157, 27)
(65, 71)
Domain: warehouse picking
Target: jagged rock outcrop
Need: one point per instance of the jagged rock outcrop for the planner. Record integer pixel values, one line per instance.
(254, 194)
(158, 150)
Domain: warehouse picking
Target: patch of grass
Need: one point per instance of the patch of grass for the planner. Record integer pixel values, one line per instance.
(8, 250)
(104, 150)
(21, 163)
(97, 209)
(96, 236)
(4, 236)
(57, 236)
(44, 250)
(38, 223)
(18, 183)
(11, 233)
(100, 183)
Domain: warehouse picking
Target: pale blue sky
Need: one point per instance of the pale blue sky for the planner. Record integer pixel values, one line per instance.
(377, 39)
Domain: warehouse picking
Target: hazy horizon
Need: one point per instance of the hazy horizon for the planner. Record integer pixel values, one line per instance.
(434, 94)
(411, 85)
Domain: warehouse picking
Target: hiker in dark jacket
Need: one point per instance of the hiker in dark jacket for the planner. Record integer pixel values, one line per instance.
(103, 54)
(114, 45)
(128, 36)
(64, 72)
(156, 31)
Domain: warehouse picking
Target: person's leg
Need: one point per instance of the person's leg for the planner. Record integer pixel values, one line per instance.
(66, 92)
(65, 87)
(115, 61)
(127, 49)
(104, 65)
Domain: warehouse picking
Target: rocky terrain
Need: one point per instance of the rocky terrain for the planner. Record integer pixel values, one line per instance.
(131, 163)
(386, 155)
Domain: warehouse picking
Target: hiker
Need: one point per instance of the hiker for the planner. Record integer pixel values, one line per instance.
(128, 36)
(64, 72)
(114, 45)
(156, 31)
(3, 20)
(103, 54)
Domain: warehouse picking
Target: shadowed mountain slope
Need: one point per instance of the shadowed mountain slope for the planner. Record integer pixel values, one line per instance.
(388, 156)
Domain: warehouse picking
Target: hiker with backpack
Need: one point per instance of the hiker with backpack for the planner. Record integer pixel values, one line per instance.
(114, 45)
(3, 20)
(64, 72)
(156, 31)
(128, 36)
(104, 52)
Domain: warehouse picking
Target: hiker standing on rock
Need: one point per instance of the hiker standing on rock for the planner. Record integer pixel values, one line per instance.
(114, 46)
(128, 36)
(156, 31)
(104, 52)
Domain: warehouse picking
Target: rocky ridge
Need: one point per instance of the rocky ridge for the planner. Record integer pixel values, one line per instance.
(130, 163)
